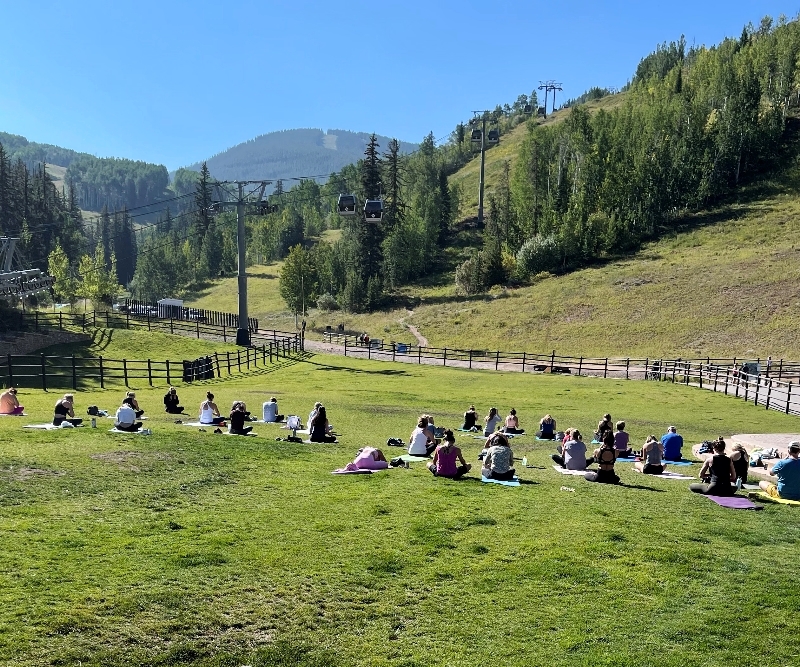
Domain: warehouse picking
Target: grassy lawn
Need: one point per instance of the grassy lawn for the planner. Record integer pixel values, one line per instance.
(187, 548)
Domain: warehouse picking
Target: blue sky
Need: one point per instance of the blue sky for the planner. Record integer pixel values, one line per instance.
(174, 82)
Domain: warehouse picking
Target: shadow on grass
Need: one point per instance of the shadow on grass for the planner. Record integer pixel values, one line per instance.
(330, 367)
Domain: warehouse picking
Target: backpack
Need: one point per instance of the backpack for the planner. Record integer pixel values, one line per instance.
(92, 411)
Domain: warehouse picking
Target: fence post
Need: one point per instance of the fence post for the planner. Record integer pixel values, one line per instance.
(108, 323)
(171, 330)
(125, 370)
(10, 372)
(127, 319)
(74, 374)
(369, 350)
(148, 321)
(580, 364)
(168, 380)
(197, 327)
(102, 378)
(605, 369)
(36, 320)
(769, 393)
(780, 368)
(228, 355)
(523, 362)
(149, 371)
(224, 334)
(552, 360)
(788, 397)
(444, 357)
(248, 358)
(470, 358)
(345, 348)
(497, 360)
(393, 350)
(60, 319)
(674, 368)
(758, 386)
(419, 354)
(701, 375)
(94, 319)
(627, 368)
(716, 377)
(83, 326)
(239, 361)
(44, 374)
(216, 361)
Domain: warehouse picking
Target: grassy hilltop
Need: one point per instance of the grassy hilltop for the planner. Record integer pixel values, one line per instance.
(188, 548)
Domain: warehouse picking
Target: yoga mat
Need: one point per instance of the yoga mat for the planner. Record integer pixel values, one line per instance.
(241, 435)
(116, 430)
(311, 442)
(201, 424)
(345, 471)
(520, 432)
(300, 431)
(410, 458)
(628, 459)
(546, 439)
(486, 480)
(467, 430)
(114, 416)
(764, 497)
(734, 502)
(666, 475)
(21, 414)
(564, 471)
(43, 427)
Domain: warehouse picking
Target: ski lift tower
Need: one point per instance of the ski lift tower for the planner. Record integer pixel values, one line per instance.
(19, 282)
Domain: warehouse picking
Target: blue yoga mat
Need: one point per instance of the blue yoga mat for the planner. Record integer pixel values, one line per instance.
(628, 459)
(514, 482)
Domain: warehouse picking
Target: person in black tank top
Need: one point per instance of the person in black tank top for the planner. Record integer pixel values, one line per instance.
(722, 473)
(605, 457)
(741, 462)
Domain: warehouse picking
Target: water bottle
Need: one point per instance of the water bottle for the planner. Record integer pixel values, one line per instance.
(524, 461)
(94, 422)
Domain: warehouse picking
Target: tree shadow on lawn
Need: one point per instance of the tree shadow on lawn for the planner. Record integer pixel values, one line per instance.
(329, 367)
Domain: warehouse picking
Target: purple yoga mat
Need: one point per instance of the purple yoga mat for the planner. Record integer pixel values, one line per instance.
(734, 502)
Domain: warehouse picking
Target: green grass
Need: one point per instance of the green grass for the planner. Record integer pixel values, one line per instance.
(189, 548)
(131, 344)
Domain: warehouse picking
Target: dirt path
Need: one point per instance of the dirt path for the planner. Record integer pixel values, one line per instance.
(421, 340)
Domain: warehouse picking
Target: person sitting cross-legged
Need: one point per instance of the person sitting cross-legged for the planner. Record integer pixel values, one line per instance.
(64, 411)
(446, 458)
(238, 417)
(172, 404)
(498, 459)
(605, 455)
(418, 443)
(652, 454)
(788, 473)
(719, 472)
(573, 453)
(511, 424)
(547, 428)
(9, 405)
(125, 419)
(320, 429)
(470, 419)
(621, 441)
(672, 442)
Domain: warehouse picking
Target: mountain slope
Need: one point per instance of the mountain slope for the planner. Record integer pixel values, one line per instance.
(292, 153)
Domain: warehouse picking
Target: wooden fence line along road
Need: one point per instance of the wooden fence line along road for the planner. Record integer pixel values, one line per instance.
(195, 329)
(50, 372)
(165, 311)
(775, 389)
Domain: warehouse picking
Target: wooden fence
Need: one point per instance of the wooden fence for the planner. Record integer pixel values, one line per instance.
(51, 372)
(36, 321)
(186, 313)
(775, 388)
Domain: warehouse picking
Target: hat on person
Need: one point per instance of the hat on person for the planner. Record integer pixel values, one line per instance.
(794, 446)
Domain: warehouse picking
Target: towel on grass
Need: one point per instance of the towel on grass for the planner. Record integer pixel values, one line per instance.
(240, 434)
(48, 427)
(513, 482)
(410, 458)
(546, 439)
(734, 502)
(195, 424)
(764, 497)
(352, 469)
(565, 471)
(667, 475)
(116, 430)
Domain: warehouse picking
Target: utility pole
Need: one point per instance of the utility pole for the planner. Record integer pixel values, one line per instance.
(242, 199)
(483, 162)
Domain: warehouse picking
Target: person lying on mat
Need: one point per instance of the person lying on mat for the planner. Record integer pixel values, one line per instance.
(418, 443)
(719, 469)
(369, 458)
(9, 405)
(238, 417)
(270, 411)
(605, 455)
(672, 444)
(573, 453)
(621, 441)
(547, 428)
(125, 419)
(788, 473)
(172, 404)
(498, 459)
(741, 462)
(445, 459)
(470, 419)
(491, 421)
(511, 424)
(652, 453)
(209, 412)
(320, 429)
(130, 399)
(603, 427)
(65, 411)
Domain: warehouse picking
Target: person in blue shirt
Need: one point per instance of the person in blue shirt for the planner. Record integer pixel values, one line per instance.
(788, 473)
(672, 444)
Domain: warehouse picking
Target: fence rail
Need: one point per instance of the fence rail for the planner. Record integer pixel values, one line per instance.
(776, 388)
(51, 372)
(36, 321)
(166, 311)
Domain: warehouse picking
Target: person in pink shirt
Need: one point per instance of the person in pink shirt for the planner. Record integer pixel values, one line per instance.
(9, 405)
(445, 457)
(370, 458)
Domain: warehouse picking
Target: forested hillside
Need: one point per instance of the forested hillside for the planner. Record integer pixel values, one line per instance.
(303, 152)
(33, 154)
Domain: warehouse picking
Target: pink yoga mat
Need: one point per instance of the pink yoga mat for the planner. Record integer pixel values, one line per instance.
(734, 502)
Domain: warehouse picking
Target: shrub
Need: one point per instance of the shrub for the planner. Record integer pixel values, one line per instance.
(327, 302)
(469, 275)
(537, 254)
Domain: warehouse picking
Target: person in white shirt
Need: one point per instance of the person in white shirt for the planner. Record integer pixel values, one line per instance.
(125, 419)
(270, 411)
(418, 442)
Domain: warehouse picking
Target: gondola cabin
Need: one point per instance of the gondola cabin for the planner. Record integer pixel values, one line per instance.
(527, 109)
(477, 136)
(347, 205)
(373, 210)
(493, 136)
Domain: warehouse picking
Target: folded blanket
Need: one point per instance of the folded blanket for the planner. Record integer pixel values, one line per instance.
(565, 471)
(667, 475)
(764, 497)
(734, 502)
(487, 480)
